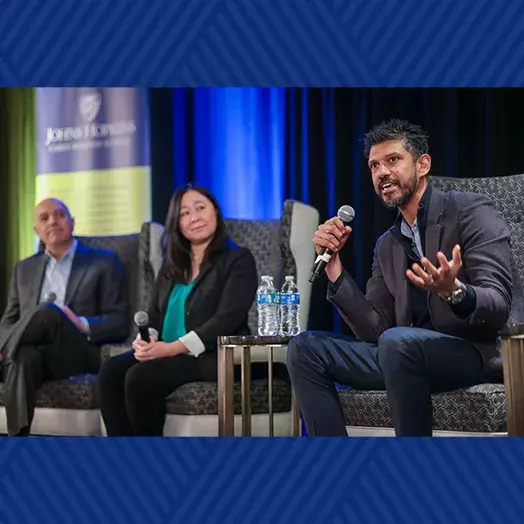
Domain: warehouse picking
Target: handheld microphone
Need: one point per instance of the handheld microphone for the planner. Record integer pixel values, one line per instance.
(142, 321)
(50, 297)
(346, 214)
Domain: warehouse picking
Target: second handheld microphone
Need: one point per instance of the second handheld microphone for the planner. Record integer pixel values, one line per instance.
(142, 321)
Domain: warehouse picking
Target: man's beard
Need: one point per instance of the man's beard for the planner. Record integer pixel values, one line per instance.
(407, 192)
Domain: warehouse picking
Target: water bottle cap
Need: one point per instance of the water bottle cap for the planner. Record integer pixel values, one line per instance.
(290, 277)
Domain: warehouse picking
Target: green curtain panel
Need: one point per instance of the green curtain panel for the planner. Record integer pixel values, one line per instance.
(17, 178)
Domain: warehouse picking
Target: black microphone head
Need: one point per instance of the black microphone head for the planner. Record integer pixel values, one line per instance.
(346, 214)
(141, 318)
(50, 297)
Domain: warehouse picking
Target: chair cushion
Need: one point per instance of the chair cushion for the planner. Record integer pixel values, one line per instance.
(261, 237)
(74, 393)
(479, 408)
(201, 398)
(195, 398)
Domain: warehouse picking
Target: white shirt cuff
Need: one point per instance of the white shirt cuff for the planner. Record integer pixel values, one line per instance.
(85, 325)
(192, 342)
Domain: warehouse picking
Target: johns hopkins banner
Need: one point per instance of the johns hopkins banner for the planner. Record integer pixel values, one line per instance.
(93, 153)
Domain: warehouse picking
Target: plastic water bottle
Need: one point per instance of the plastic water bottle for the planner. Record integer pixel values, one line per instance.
(289, 308)
(267, 305)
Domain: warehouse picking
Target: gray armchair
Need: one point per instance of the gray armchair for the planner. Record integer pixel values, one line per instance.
(479, 410)
(71, 406)
(280, 247)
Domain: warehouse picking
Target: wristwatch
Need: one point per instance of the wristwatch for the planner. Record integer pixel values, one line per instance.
(458, 295)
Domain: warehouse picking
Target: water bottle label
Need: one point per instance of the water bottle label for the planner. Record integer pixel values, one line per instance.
(290, 299)
(267, 298)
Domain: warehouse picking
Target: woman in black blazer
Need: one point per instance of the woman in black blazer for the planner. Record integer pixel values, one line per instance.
(204, 289)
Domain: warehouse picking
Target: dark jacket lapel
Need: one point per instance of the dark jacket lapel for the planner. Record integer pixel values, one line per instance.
(78, 270)
(433, 227)
(165, 287)
(403, 308)
(432, 237)
(204, 270)
(36, 279)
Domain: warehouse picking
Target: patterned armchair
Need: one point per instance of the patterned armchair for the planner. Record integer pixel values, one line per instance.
(279, 249)
(71, 407)
(478, 410)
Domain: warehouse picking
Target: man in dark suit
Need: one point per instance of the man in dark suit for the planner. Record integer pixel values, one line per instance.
(441, 288)
(63, 303)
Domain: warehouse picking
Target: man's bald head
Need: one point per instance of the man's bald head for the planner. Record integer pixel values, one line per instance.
(54, 224)
(47, 203)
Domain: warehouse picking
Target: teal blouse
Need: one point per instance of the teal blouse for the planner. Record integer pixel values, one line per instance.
(174, 325)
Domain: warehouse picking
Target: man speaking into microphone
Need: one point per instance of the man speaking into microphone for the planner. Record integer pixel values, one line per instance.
(440, 290)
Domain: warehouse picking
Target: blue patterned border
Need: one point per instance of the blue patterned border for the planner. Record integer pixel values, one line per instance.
(363, 43)
(260, 480)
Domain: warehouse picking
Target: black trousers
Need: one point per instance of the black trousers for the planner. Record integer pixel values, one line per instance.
(50, 348)
(132, 393)
(409, 363)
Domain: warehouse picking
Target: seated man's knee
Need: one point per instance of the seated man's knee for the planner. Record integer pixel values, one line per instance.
(29, 355)
(48, 312)
(294, 350)
(303, 347)
(396, 345)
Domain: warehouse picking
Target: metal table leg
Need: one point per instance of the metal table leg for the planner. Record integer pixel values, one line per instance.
(246, 391)
(270, 390)
(226, 399)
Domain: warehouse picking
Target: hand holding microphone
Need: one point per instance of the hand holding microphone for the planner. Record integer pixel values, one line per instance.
(146, 344)
(145, 332)
(329, 239)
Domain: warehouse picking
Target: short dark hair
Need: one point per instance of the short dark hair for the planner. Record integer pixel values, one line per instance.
(177, 247)
(414, 137)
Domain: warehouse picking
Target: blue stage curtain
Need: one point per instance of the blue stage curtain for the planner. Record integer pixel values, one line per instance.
(239, 149)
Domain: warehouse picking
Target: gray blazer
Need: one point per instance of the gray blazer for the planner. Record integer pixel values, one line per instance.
(467, 219)
(95, 290)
